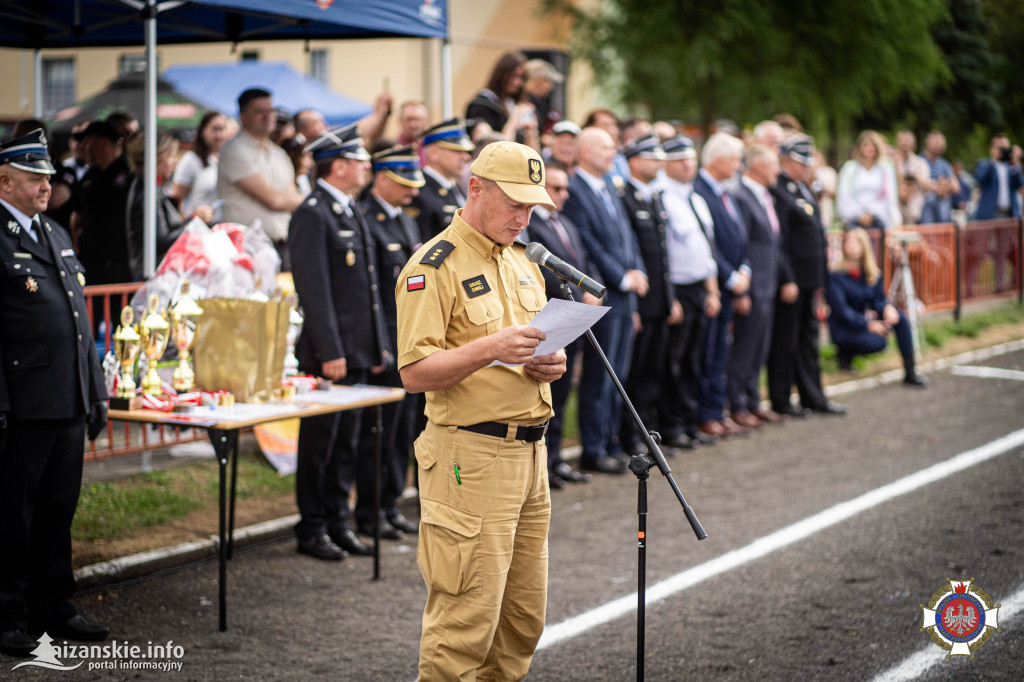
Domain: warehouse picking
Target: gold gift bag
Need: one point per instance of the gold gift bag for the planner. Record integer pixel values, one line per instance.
(240, 346)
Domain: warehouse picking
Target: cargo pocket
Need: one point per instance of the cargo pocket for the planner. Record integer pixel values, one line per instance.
(448, 548)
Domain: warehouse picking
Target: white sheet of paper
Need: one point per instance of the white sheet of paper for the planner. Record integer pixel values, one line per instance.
(563, 322)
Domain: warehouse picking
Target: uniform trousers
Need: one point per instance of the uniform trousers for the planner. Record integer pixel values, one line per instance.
(717, 343)
(40, 479)
(600, 405)
(326, 468)
(681, 383)
(794, 353)
(483, 553)
(650, 360)
(751, 340)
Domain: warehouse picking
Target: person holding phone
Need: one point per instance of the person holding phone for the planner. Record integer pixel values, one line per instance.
(999, 179)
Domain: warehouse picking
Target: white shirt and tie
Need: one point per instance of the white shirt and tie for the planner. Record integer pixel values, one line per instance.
(691, 230)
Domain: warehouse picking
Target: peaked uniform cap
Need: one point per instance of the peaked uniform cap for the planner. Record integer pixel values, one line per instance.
(344, 142)
(28, 153)
(401, 164)
(450, 134)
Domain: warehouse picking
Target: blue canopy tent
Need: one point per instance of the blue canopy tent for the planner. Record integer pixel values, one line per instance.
(217, 86)
(38, 24)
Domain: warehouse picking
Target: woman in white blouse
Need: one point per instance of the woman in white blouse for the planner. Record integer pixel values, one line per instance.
(866, 194)
(195, 179)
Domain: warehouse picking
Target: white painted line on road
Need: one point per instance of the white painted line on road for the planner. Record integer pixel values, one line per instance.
(918, 664)
(988, 373)
(784, 537)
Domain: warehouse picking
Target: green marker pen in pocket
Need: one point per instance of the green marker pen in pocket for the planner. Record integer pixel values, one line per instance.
(457, 477)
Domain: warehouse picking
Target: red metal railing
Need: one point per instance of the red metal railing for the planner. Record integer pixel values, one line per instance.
(105, 301)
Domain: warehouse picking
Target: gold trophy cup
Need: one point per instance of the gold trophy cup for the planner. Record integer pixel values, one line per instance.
(154, 332)
(185, 314)
(126, 349)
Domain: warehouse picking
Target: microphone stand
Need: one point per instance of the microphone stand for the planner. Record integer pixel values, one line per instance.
(640, 465)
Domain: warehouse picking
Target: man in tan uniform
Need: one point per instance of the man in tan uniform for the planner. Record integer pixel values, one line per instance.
(464, 300)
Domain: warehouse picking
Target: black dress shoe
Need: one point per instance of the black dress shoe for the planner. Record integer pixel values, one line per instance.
(387, 531)
(17, 643)
(350, 542)
(681, 441)
(555, 482)
(698, 437)
(830, 408)
(916, 380)
(321, 547)
(79, 629)
(570, 475)
(403, 524)
(791, 411)
(603, 465)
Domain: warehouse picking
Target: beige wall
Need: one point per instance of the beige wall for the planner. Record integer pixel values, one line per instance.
(481, 30)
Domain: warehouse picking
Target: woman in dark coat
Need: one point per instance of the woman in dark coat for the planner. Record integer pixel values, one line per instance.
(861, 317)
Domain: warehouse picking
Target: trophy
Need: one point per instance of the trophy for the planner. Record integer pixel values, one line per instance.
(126, 349)
(154, 334)
(185, 314)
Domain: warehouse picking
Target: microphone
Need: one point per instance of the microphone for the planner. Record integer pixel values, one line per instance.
(536, 253)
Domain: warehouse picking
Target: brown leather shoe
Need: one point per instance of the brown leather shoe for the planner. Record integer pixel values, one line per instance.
(734, 429)
(744, 418)
(768, 416)
(713, 428)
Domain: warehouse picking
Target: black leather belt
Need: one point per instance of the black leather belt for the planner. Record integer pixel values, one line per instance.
(531, 434)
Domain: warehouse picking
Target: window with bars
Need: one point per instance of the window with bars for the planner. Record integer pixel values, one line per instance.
(318, 65)
(59, 84)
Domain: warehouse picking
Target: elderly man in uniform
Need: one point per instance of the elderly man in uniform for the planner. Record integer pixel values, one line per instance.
(344, 337)
(51, 393)
(397, 180)
(464, 301)
(446, 148)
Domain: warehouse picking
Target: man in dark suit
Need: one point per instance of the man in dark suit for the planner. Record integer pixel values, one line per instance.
(397, 180)
(721, 159)
(753, 321)
(999, 180)
(659, 308)
(446, 148)
(343, 339)
(795, 329)
(596, 209)
(561, 238)
(51, 393)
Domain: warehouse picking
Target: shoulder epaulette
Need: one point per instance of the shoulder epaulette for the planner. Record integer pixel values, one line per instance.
(436, 255)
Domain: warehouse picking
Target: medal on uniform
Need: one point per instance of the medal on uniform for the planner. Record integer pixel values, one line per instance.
(31, 285)
(443, 192)
(81, 279)
(350, 258)
(380, 217)
(13, 226)
(808, 209)
(336, 207)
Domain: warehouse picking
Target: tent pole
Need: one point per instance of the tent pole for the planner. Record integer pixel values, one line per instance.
(37, 83)
(446, 77)
(149, 130)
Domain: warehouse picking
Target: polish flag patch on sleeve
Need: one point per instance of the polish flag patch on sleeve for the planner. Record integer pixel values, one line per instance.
(415, 283)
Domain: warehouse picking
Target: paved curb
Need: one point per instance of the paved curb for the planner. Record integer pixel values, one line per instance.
(146, 563)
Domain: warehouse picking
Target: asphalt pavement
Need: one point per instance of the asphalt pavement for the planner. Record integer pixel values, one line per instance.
(825, 537)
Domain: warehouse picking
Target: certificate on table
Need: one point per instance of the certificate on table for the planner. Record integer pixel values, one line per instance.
(563, 322)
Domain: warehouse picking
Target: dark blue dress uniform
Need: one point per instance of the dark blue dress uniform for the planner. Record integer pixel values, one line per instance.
(335, 272)
(649, 221)
(396, 238)
(437, 201)
(793, 354)
(50, 380)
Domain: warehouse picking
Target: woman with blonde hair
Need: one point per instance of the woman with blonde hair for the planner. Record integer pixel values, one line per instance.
(867, 193)
(862, 318)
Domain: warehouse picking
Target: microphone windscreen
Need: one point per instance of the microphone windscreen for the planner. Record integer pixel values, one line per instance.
(535, 252)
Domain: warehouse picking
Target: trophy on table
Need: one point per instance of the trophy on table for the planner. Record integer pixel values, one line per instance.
(126, 350)
(185, 314)
(154, 332)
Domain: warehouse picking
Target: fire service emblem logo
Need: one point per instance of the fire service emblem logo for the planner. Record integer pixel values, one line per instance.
(960, 617)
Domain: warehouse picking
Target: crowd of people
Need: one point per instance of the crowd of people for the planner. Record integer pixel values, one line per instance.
(713, 256)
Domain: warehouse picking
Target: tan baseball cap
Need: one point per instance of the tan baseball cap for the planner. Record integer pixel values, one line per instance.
(517, 169)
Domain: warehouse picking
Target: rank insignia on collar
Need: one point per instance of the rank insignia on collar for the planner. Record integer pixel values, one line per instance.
(311, 201)
(13, 226)
(381, 217)
(442, 192)
(336, 207)
(81, 279)
(791, 186)
(31, 284)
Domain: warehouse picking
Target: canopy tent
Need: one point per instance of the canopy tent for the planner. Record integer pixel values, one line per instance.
(175, 111)
(38, 24)
(217, 86)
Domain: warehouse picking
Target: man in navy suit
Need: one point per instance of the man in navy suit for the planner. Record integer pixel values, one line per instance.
(753, 322)
(720, 159)
(999, 180)
(595, 208)
(562, 239)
